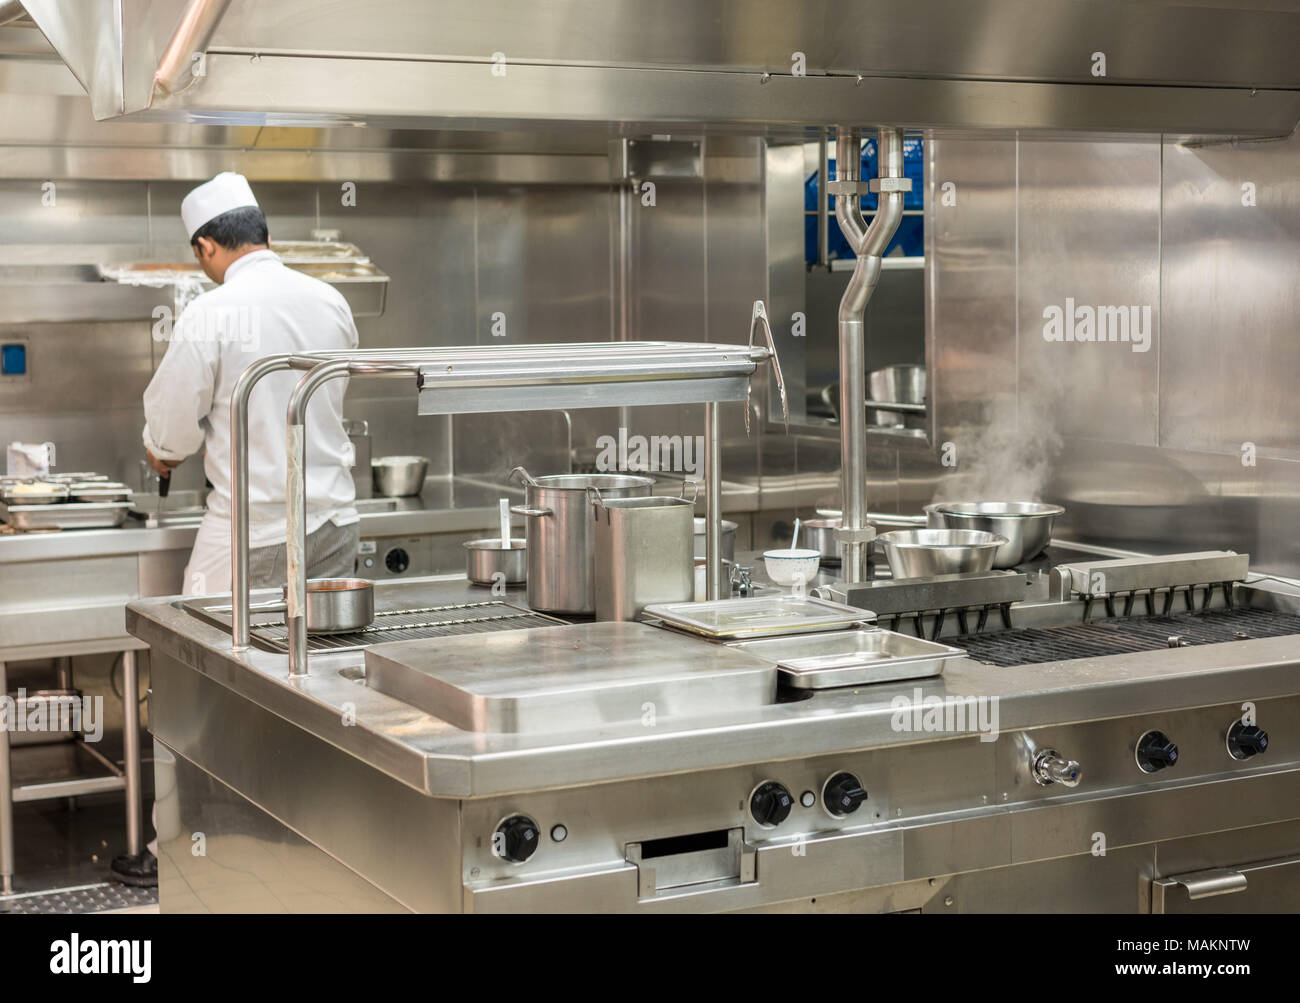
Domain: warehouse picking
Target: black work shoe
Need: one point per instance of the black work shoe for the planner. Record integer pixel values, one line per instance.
(140, 870)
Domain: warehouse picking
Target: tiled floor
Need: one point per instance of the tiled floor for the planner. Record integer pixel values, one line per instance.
(61, 858)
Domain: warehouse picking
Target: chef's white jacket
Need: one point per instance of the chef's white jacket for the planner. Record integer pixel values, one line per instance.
(262, 308)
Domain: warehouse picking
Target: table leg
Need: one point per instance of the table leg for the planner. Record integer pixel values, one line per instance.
(6, 800)
(131, 750)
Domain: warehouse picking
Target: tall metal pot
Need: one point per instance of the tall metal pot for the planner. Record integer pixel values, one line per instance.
(560, 531)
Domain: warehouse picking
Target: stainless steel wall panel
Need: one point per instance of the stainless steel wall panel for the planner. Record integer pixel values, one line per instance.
(971, 314)
(74, 211)
(1145, 450)
(1089, 234)
(1231, 297)
(423, 236)
(543, 264)
(784, 238)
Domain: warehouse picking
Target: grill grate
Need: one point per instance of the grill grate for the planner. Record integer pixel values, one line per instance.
(410, 624)
(1032, 645)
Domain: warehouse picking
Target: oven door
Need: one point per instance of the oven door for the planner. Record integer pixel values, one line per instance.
(1260, 887)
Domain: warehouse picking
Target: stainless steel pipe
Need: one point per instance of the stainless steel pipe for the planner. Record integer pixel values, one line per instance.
(869, 244)
(131, 752)
(197, 26)
(6, 801)
(713, 500)
(295, 497)
(239, 493)
(239, 466)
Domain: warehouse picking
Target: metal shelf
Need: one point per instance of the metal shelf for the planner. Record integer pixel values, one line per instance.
(61, 770)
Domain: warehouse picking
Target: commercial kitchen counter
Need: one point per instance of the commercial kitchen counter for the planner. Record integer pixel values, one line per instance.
(443, 761)
(621, 803)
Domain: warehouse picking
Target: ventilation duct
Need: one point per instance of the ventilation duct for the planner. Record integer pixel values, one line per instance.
(775, 67)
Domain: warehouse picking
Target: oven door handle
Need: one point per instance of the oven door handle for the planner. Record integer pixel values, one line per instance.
(1207, 884)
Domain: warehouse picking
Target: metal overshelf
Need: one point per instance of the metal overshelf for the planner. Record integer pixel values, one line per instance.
(489, 378)
(597, 374)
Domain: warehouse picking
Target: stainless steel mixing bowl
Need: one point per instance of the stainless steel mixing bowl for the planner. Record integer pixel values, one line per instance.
(399, 476)
(1027, 526)
(922, 553)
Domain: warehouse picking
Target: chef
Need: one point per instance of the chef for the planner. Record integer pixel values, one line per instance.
(259, 308)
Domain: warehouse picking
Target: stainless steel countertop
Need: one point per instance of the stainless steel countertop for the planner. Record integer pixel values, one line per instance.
(443, 761)
(445, 505)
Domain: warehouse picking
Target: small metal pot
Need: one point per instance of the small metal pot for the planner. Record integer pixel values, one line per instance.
(399, 476)
(642, 554)
(728, 539)
(337, 605)
(486, 559)
(896, 385)
(819, 535)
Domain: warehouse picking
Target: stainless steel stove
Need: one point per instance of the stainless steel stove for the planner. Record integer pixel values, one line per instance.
(1075, 761)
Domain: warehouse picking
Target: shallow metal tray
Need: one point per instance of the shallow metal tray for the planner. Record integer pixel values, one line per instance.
(57, 493)
(851, 658)
(65, 515)
(758, 617)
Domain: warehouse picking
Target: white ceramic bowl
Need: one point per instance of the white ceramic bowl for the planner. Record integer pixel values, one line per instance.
(785, 566)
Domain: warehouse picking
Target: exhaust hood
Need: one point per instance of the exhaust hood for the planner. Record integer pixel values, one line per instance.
(781, 68)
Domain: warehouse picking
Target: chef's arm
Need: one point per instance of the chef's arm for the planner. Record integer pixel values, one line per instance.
(177, 400)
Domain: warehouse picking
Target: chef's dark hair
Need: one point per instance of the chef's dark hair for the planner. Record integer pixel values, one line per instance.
(235, 229)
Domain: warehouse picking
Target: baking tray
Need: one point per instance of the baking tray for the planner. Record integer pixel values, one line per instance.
(762, 616)
(851, 658)
(70, 515)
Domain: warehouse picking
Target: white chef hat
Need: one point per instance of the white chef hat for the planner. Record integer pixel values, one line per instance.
(209, 200)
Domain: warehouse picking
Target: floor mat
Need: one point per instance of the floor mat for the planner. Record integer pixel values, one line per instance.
(103, 897)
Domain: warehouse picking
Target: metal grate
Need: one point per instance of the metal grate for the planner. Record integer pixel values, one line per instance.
(103, 897)
(1031, 645)
(409, 624)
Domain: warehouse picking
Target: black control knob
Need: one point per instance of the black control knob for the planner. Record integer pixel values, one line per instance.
(770, 803)
(1246, 740)
(397, 560)
(843, 794)
(516, 839)
(1155, 751)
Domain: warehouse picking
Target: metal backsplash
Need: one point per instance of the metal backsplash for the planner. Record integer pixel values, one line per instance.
(1186, 441)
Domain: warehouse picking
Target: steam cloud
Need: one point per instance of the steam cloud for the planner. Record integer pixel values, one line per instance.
(1009, 453)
